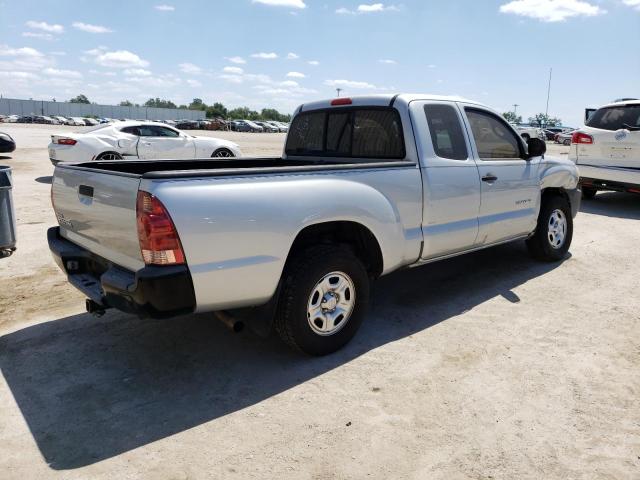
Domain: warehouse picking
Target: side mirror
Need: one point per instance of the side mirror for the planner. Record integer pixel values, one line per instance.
(536, 148)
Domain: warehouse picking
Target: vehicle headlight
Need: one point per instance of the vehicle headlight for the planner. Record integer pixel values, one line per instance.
(6, 137)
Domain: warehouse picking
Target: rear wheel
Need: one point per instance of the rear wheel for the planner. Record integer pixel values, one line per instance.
(222, 153)
(554, 231)
(324, 295)
(567, 142)
(589, 193)
(109, 156)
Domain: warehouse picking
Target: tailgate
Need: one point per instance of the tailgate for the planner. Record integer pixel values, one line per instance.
(97, 210)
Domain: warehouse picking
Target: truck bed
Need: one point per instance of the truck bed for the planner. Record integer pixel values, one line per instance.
(219, 167)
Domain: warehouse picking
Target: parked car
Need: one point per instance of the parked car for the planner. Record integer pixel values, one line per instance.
(26, 119)
(267, 127)
(141, 140)
(216, 124)
(11, 119)
(7, 144)
(564, 138)
(527, 132)
(90, 122)
(77, 122)
(245, 126)
(187, 125)
(401, 181)
(607, 149)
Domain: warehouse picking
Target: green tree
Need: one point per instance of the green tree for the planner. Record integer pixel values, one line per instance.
(544, 120)
(197, 104)
(80, 99)
(126, 103)
(159, 103)
(217, 110)
(511, 117)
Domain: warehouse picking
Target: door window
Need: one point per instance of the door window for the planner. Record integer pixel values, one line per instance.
(446, 132)
(494, 139)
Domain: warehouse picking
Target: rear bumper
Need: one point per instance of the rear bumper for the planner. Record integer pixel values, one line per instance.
(153, 291)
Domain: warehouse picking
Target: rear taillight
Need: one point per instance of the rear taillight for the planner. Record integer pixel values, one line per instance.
(66, 141)
(159, 241)
(582, 138)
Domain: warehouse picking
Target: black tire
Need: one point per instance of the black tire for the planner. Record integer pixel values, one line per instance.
(567, 142)
(589, 193)
(301, 277)
(525, 136)
(222, 153)
(109, 156)
(540, 245)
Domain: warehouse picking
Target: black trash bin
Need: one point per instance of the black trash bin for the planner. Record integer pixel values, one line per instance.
(7, 216)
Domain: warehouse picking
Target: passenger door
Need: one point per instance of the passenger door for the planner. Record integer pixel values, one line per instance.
(510, 190)
(450, 179)
(162, 142)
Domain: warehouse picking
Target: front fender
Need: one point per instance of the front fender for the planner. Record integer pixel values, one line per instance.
(558, 173)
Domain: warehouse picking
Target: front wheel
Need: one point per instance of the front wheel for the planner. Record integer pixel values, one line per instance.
(222, 153)
(325, 292)
(109, 156)
(554, 231)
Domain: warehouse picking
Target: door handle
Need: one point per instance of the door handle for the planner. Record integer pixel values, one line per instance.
(489, 178)
(146, 143)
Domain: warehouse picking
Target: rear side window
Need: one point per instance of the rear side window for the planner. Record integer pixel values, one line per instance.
(615, 118)
(446, 132)
(494, 139)
(347, 132)
(131, 130)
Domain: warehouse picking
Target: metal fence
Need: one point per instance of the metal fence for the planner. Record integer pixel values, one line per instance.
(11, 106)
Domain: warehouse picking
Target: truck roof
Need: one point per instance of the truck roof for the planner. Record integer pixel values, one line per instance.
(621, 104)
(384, 99)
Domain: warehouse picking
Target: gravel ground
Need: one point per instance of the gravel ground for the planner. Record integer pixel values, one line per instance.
(485, 366)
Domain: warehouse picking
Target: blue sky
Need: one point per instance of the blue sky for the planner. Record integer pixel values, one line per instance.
(280, 53)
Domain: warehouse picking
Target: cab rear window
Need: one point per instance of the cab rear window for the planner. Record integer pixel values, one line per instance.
(374, 133)
(615, 118)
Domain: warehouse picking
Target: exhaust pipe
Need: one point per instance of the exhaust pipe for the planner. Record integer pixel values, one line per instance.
(230, 322)
(94, 308)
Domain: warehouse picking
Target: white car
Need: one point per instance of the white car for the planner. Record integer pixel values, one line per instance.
(527, 132)
(11, 119)
(607, 149)
(76, 122)
(131, 140)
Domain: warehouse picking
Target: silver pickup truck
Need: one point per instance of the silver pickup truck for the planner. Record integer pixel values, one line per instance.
(365, 186)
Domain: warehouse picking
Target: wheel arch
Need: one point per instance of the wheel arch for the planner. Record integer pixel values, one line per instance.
(360, 239)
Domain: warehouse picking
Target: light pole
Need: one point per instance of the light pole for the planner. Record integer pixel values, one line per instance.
(546, 112)
(515, 109)
(338, 90)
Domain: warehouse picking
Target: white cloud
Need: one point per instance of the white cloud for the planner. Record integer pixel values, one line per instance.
(632, 3)
(350, 84)
(54, 72)
(193, 83)
(314, 63)
(296, 75)
(190, 68)
(41, 35)
(44, 26)
(238, 60)
(282, 3)
(551, 10)
(19, 75)
(137, 72)
(265, 56)
(165, 8)
(233, 70)
(24, 58)
(368, 8)
(231, 78)
(289, 83)
(120, 59)
(292, 56)
(387, 61)
(87, 27)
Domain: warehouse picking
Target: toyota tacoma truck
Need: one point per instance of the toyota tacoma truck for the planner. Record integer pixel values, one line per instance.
(365, 186)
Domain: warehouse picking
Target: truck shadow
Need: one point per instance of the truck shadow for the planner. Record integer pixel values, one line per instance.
(90, 389)
(613, 204)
